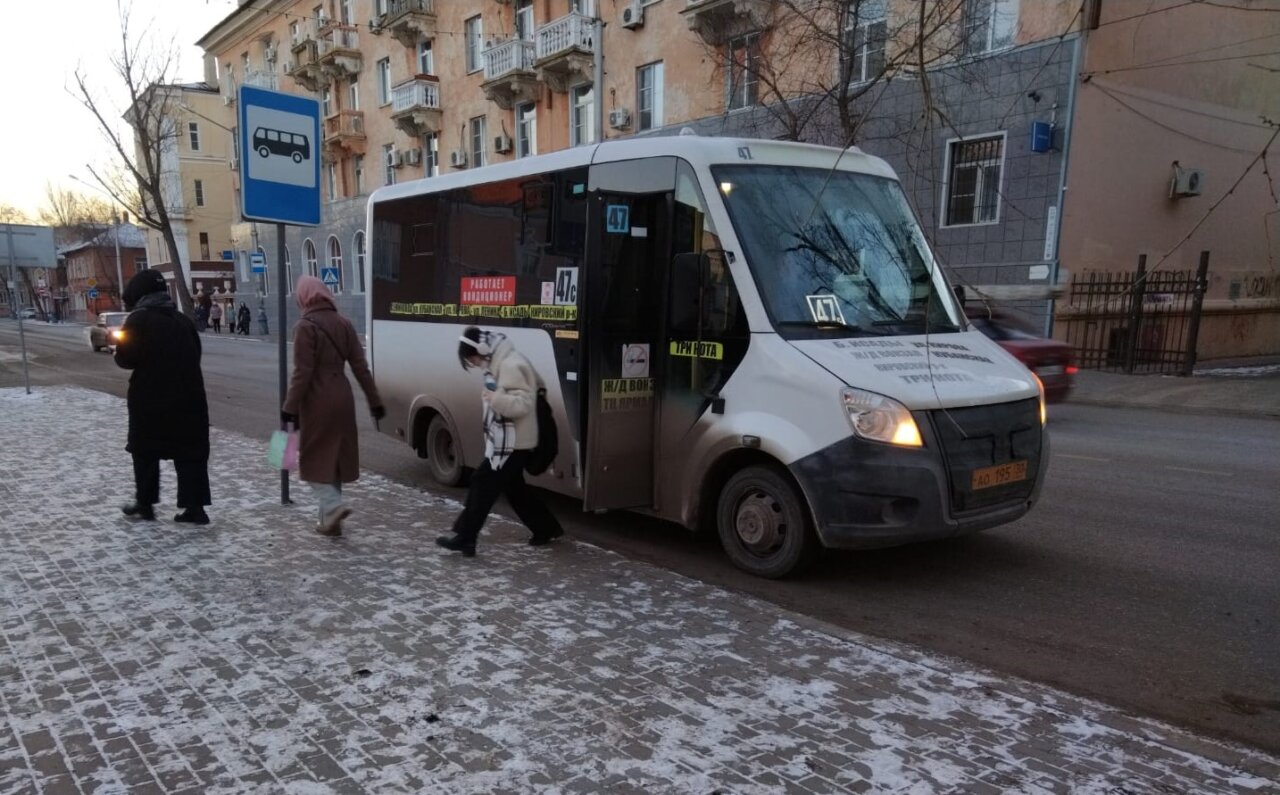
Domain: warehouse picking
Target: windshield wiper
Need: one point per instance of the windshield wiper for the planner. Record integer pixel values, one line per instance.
(928, 325)
(829, 327)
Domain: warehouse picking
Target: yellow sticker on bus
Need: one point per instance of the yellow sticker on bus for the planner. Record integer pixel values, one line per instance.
(692, 349)
(530, 311)
(625, 394)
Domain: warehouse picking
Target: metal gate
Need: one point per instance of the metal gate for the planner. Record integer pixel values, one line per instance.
(1137, 322)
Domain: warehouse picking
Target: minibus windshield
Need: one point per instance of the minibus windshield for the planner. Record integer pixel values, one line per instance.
(835, 253)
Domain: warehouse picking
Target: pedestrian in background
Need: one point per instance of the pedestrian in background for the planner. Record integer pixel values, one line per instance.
(215, 317)
(243, 318)
(510, 434)
(319, 402)
(168, 411)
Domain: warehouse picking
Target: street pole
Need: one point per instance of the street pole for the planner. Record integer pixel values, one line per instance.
(597, 74)
(282, 349)
(14, 304)
(119, 271)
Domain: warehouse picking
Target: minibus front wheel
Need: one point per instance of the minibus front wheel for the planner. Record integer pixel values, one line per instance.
(443, 454)
(763, 523)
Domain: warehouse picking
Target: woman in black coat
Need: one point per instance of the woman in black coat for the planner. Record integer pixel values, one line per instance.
(168, 413)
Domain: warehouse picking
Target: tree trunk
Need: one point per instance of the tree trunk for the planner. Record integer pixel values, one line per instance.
(185, 304)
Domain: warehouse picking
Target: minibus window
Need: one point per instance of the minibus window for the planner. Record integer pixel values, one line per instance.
(835, 253)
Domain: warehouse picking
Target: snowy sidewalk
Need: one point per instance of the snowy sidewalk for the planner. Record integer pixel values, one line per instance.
(254, 655)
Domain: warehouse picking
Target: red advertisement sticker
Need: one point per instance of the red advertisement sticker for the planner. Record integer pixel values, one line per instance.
(488, 291)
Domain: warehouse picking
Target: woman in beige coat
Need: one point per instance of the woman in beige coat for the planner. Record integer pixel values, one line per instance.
(320, 403)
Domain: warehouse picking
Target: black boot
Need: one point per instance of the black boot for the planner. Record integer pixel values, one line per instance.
(456, 544)
(192, 516)
(136, 510)
(543, 540)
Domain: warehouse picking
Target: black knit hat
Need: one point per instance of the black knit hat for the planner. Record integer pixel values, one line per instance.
(144, 282)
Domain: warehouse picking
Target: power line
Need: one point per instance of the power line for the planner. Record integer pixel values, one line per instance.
(1216, 116)
(1146, 13)
(1164, 126)
(1140, 67)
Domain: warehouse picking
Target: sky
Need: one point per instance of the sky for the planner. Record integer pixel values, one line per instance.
(53, 135)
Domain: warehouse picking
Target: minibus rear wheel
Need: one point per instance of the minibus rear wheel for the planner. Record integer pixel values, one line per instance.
(442, 452)
(763, 523)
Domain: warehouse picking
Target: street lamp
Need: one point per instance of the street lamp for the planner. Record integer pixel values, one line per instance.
(115, 234)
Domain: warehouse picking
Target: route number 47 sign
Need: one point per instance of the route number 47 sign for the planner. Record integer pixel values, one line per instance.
(566, 290)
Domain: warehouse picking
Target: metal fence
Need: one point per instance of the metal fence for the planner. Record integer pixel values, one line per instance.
(1139, 321)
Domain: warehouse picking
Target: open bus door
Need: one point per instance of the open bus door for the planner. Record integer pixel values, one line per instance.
(628, 254)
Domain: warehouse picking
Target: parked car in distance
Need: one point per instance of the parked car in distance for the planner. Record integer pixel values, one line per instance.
(27, 313)
(1050, 360)
(108, 330)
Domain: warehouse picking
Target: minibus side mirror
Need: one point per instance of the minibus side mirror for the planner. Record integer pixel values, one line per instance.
(960, 295)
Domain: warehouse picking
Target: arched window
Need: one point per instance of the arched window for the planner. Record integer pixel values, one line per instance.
(335, 261)
(266, 274)
(357, 243)
(288, 272)
(309, 252)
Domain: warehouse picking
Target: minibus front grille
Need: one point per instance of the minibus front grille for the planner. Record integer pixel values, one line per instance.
(979, 437)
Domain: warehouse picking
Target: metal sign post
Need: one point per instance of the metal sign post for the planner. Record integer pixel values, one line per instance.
(280, 183)
(33, 249)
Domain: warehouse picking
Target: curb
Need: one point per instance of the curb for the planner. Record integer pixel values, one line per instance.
(1260, 414)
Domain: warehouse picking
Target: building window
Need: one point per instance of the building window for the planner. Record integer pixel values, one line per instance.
(326, 102)
(867, 31)
(335, 262)
(649, 96)
(331, 178)
(478, 148)
(431, 149)
(295, 32)
(140, 261)
(388, 164)
(379, 7)
(524, 19)
(526, 130)
(193, 135)
(989, 25)
(582, 128)
(345, 11)
(357, 246)
(474, 34)
(309, 252)
(199, 185)
(353, 93)
(384, 81)
(204, 246)
(586, 7)
(426, 58)
(357, 171)
(288, 272)
(744, 60)
(973, 180)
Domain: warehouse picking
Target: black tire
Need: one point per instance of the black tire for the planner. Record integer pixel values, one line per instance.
(763, 523)
(264, 151)
(442, 452)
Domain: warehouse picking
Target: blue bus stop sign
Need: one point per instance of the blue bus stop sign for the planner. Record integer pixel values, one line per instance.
(279, 157)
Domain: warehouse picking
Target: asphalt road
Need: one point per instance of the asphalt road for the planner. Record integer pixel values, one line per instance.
(1148, 576)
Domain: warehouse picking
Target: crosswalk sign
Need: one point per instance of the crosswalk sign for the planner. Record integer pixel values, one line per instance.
(329, 276)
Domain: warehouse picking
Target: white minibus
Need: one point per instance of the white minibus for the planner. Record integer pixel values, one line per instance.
(749, 337)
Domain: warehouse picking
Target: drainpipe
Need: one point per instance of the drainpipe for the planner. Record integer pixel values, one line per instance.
(597, 77)
(1062, 177)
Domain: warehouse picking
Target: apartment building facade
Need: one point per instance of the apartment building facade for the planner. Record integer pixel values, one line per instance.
(93, 274)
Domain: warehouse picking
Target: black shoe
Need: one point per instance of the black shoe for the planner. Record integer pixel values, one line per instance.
(137, 511)
(193, 516)
(456, 544)
(543, 540)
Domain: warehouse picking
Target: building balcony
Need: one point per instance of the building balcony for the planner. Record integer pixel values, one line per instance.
(254, 77)
(344, 134)
(305, 66)
(339, 51)
(564, 48)
(415, 106)
(410, 21)
(509, 76)
(718, 21)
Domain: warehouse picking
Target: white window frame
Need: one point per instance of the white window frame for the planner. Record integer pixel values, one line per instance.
(388, 171)
(431, 155)
(585, 7)
(334, 260)
(331, 179)
(860, 28)
(524, 24)
(654, 92)
(353, 93)
(357, 173)
(582, 128)
(473, 34)
(426, 57)
(326, 102)
(526, 129)
(749, 77)
(198, 188)
(288, 272)
(309, 255)
(477, 140)
(193, 135)
(979, 183)
(358, 258)
(345, 13)
(999, 19)
(295, 32)
(384, 81)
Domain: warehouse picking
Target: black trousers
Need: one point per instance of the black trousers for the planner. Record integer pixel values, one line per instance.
(487, 485)
(193, 482)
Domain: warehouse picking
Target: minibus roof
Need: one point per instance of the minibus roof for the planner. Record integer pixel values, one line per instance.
(696, 149)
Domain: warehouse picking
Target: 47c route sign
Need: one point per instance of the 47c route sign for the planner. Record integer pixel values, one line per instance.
(279, 157)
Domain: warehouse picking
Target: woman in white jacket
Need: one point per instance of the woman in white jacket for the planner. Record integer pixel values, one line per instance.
(510, 434)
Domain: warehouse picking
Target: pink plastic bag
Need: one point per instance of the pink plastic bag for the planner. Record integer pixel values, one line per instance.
(283, 450)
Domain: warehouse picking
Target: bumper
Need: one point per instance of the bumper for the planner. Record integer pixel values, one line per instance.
(865, 495)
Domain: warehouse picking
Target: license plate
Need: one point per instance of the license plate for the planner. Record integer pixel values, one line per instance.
(990, 477)
(1053, 369)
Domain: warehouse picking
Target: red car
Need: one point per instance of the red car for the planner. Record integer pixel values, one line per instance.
(1049, 359)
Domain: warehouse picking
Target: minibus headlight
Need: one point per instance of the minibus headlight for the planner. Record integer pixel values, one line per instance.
(880, 419)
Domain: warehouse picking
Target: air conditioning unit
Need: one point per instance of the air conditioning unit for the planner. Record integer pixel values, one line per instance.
(233, 164)
(502, 144)
(413, 157)
(1186, 182)
(228, 99)
(633, 14)
(395, 158)
(619, 118)
(458, 158)
(375, 24)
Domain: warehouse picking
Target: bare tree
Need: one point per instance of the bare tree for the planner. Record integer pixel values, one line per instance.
(74, 216)
(139, 180)
(12, 215)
